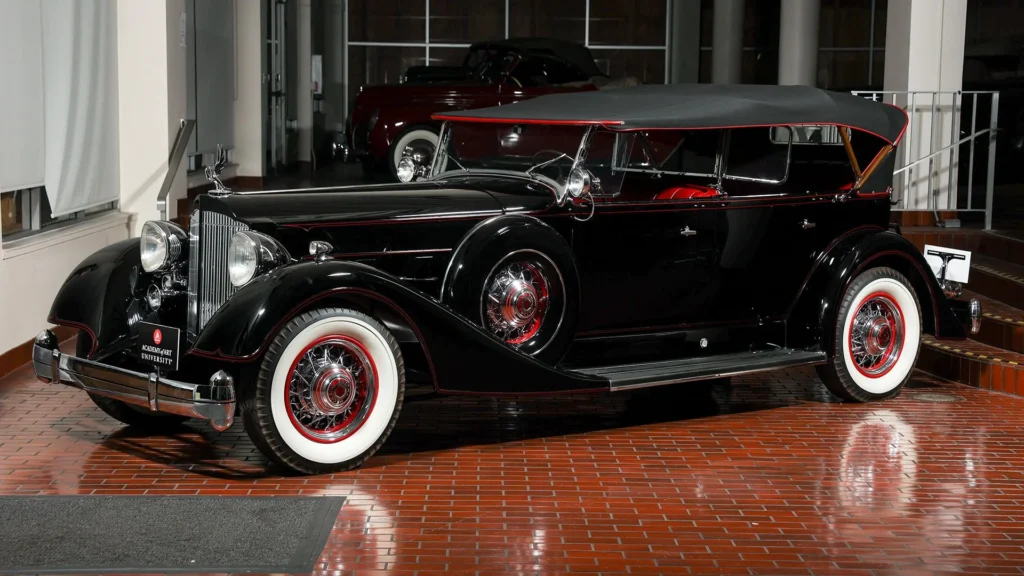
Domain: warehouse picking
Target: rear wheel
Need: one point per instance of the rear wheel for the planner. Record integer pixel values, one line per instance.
(129, 414)
(875, 339)
(329, 392)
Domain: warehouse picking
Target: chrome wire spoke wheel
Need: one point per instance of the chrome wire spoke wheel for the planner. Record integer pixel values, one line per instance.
(331, 389)
(876, 335)
(520, 296)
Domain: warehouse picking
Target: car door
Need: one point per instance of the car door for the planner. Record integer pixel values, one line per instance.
(774, 224)
(645, 266)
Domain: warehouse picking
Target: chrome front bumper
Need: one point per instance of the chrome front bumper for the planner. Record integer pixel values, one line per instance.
(214, 401)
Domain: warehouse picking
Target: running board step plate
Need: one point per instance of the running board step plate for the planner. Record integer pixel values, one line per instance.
(628, 376)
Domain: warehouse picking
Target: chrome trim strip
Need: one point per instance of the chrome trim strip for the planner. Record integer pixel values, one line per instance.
(214, 401)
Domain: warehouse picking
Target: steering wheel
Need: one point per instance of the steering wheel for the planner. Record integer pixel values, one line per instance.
(514, 79)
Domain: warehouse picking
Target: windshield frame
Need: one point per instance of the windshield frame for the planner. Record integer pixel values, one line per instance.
(441, 157)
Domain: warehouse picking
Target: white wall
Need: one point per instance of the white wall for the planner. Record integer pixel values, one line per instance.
(152, 101)
(34, 269)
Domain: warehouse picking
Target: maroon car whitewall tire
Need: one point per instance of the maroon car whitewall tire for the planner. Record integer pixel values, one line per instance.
(876, 337)
(329, 391)
(422, 139)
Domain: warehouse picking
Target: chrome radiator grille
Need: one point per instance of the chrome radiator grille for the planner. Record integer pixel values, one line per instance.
(208, 284)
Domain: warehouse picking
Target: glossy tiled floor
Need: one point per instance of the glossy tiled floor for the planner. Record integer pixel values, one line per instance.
(765, 476)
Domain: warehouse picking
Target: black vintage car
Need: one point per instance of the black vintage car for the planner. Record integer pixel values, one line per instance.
(597, 241)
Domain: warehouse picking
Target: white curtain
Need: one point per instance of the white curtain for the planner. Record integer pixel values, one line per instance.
(79, 42)
(21, 95)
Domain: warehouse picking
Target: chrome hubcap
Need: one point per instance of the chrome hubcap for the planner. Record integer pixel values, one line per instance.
(876, 335)
(421, 152)
(331, 388)
(515, 301)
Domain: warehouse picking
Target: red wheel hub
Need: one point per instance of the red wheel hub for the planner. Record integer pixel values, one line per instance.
(331, 388)
(876, 335)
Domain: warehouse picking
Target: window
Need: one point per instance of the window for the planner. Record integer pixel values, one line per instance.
(754, 155)
(25, 212)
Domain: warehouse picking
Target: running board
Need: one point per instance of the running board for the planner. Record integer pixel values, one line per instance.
(629, 376)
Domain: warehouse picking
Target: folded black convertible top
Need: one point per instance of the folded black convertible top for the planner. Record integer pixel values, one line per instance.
(668, 106)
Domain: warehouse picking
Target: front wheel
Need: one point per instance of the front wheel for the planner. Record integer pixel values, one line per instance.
(328, 393)
(875, 339)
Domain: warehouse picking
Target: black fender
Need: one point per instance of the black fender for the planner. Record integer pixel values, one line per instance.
(855, 252)
(489, 241)
(462, 357)
(99, 294)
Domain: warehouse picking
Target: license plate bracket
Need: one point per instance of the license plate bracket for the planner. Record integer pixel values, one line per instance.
(157, 344)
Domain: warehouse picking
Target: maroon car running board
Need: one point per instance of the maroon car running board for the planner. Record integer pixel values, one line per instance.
(630, 376)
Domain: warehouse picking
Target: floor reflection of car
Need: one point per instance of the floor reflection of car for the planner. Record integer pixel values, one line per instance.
(595, 241)
(388, 119)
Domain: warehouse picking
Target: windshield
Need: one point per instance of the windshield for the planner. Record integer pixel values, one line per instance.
(537, 150)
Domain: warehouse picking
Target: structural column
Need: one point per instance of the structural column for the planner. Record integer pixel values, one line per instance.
(334, 77)
(684, 47)
(798, 42)
(727, 42)
(250, 105)
(304, 88)
(924, 55)
(151, 102)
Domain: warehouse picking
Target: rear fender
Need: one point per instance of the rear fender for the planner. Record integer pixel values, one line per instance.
(869, 248)
(462, 357)
(98, 296)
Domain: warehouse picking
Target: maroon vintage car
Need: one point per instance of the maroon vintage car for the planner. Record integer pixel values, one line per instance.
(387, 119)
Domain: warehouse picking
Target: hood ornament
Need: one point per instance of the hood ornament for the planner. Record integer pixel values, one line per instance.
(213, 173)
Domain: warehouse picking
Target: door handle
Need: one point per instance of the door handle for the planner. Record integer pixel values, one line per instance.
(807, 225)
(687, 232)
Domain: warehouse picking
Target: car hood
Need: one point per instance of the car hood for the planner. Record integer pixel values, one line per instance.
(457, 197)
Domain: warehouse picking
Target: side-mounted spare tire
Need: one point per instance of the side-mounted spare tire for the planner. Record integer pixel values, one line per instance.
(516, 278)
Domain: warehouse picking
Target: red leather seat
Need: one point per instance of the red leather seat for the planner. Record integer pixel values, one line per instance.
(686, 192)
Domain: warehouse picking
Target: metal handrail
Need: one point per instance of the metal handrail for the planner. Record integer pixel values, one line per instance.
(173, 161)
(941, 150)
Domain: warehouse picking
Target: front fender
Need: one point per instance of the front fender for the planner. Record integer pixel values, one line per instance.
(885, 248)
(98, 294)
(462, 357)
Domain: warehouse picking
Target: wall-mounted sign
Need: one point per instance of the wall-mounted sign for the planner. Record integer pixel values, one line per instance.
(318, 74)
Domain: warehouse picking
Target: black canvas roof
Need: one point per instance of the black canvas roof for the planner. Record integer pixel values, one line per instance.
(576, 54)
(668, 106)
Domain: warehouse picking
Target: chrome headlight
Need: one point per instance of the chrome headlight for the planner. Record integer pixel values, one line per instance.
(251, 253)
(406, 169)
(578, 184)
(161, 245)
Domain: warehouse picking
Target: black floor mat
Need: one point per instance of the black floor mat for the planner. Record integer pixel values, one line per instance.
(163, 533)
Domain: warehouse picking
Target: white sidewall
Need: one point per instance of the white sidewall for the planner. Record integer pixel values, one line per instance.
(384, 406)
(912, 336)
(408, 138)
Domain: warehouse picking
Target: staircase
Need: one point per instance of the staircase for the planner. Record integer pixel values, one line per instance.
(994, 357)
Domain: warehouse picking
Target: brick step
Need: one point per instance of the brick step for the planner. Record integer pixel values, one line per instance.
(998, 280)
(973, 363)
(1002, 325)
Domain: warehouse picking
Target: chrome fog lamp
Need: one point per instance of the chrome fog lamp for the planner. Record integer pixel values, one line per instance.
(161, 244)
(154, 297)
(251, 253)
(406, 169)
(578, 183)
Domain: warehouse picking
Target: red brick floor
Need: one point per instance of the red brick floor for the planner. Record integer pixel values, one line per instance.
(765, 476)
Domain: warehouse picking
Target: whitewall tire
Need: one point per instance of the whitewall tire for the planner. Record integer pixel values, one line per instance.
(875, 339)
(423, 141)
(329, 392)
